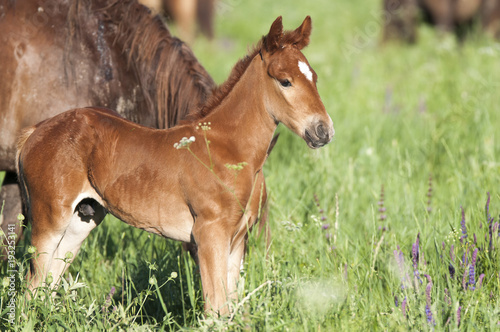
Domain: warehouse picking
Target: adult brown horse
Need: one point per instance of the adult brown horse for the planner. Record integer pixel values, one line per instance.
(401, 16)
(164, 182)
(59, 54)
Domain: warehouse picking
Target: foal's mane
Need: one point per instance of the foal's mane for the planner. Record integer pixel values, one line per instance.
(288, 38)
(172, 79)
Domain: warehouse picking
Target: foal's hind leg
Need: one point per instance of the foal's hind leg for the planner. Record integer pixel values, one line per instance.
(65, 233)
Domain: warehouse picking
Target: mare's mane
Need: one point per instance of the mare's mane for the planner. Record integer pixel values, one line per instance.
(172, 79)
(288, 38)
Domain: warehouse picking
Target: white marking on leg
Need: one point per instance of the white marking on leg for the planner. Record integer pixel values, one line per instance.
(71, 241)
(304, 69)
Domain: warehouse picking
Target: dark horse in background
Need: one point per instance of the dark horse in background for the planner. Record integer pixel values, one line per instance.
(401, 17)
(58, 54)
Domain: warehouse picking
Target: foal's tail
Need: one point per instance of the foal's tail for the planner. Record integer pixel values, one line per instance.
(25, 134)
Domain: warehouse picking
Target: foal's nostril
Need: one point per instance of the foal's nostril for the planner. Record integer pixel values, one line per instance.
(321, 132)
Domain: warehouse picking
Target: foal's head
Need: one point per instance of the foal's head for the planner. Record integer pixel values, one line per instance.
(290, 84)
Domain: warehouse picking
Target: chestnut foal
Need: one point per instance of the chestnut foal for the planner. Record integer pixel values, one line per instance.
(79, 165)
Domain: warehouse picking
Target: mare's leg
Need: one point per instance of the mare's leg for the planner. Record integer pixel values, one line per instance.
(57, 231)
(11, 195)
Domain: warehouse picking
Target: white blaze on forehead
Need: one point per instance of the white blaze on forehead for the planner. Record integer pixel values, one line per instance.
(304, 69)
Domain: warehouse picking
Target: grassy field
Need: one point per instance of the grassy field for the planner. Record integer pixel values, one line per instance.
(421, 122)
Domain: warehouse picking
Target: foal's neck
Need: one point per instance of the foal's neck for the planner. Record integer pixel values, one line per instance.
(242, 114)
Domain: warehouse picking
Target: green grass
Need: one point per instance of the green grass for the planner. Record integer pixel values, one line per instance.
(401, 114)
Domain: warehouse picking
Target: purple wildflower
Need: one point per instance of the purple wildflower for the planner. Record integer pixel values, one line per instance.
(429, 195)
(403, 306)
(428, 313)
(489, 220)
(382, 215)
(415, 250)
(428, 301)
(472, 270)
(415, 256)
(110, 295)
(396, 302)
(487, 208)
(464, 280)
(323, 218)
(108, 298)
(381, 208)
(316, 200)
(472, 279)
(464, 227)
(381, 202)
(429, 280)
(480, 281)
(458, 315)
(490, 233)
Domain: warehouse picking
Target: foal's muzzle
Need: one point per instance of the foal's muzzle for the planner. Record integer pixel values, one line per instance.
(319, 134)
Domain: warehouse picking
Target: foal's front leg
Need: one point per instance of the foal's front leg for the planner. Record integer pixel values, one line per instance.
(235, 262)
(213, 254)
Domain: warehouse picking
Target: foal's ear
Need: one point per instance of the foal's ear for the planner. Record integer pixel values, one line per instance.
(302, 33)
(273, 38)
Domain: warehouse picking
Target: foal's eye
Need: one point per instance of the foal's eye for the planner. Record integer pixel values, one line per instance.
(285, 83)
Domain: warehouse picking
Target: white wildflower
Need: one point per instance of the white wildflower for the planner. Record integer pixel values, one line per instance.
(204, 126)
(184, 142)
